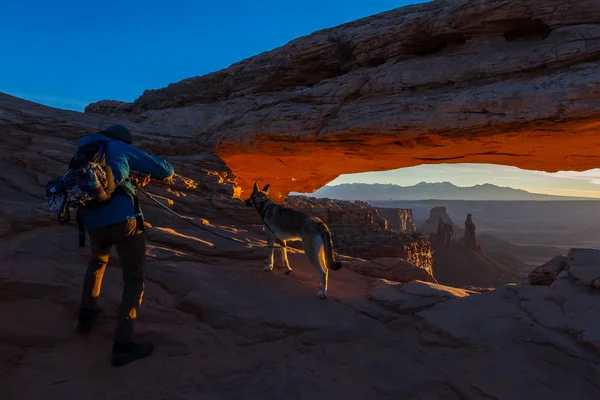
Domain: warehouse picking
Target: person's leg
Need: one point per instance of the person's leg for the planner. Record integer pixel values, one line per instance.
(131, 248)
(100, 247)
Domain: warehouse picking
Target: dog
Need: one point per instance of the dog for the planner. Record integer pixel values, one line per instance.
(281, 224)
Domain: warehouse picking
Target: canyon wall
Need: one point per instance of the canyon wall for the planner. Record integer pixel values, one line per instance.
(459, 260)
(435, 215)
(359, 231)
(399, 219)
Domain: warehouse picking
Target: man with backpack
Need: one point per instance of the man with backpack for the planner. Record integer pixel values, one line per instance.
(116, 221)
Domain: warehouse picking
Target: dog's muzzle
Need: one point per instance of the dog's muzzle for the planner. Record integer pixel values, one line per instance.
(248, 203)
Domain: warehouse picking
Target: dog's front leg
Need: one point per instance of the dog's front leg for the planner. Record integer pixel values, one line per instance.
(271, 245)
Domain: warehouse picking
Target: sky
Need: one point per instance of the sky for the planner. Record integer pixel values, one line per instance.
(564, 183)
(67, 54)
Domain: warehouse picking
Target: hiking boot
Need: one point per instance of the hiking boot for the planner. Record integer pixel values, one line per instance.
(86, 320)
(124, 353)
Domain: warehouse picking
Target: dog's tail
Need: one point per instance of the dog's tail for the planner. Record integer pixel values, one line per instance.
(328, 245)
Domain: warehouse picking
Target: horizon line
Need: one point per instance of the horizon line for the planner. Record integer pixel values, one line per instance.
(581, 196)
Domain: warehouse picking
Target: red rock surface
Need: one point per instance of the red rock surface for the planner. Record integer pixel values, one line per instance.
(399, 219)
(391, 269)
(226, 329)
(503, 82)
(339, 212)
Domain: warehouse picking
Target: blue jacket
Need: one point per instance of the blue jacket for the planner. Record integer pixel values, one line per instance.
(122, 158)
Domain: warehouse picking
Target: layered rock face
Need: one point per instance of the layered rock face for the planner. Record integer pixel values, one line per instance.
(437, 215)
(462, 263)
(359, 231)
(520, 85)
(444, 236)
(399, 219)
(340, 212)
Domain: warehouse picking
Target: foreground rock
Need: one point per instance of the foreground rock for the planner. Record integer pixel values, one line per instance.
(547, 273)
(226, 329)
(519, 79)
(414, 296)
(583, 265)
(392, 269)
(533, 329)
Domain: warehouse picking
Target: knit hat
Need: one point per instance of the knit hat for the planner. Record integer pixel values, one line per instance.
(118, 132)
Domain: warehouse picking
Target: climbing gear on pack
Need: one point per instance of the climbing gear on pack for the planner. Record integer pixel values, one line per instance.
(88, 183)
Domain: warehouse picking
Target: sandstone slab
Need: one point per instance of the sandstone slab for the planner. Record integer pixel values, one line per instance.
(584, 266)
(392, 269)
(547, 273)
(414, 296)
(519, 90)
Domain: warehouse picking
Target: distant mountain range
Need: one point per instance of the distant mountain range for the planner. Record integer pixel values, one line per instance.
(431, 191)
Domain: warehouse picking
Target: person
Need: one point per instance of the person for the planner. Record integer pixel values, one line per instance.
(119, 222)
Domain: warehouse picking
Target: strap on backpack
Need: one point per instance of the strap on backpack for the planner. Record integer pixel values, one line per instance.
(80, 227)
(136, 207)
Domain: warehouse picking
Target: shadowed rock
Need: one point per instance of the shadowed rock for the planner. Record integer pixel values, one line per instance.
(547, 273)
(469, 240)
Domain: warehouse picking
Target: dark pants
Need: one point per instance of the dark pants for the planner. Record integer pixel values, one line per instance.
(131, 248)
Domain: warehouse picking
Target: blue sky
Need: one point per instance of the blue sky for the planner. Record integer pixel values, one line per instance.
(68, 54)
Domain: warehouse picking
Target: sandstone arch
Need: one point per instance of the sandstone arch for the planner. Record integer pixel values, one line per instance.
(504, 82)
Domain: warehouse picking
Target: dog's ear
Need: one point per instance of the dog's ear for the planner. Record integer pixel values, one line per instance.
(266, 188)
(256, 189)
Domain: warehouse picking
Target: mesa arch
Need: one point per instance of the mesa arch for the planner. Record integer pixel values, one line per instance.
(503, 82)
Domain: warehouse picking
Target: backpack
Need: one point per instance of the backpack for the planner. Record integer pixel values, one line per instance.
(88, 183)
